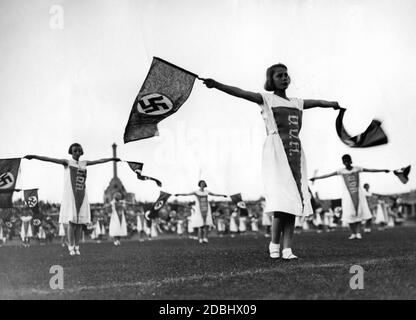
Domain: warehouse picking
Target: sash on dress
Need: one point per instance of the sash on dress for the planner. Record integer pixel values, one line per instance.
(289, 123)
(78, 178)
(352, 181)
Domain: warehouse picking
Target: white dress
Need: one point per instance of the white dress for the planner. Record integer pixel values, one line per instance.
(118, 226)
(381, 214)
(26, 229)
(203, 215)
(354, 202)
(141, 222)
(283, 166)
(62, 232)
(233, 222)
(75, 207)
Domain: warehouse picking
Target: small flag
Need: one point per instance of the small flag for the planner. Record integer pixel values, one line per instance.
(137, 167)
(403, 174)
(163, 92)
(9, 169)
(238, 201)
(154, 210)
(32, 201)
(372, 136)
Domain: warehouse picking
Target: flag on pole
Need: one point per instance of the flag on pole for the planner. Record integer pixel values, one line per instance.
(137, 167)
(9, 169)
(32, 201)
(161, 201)
(163, 92)
(403, 174)
(238, 201)
(372, 136)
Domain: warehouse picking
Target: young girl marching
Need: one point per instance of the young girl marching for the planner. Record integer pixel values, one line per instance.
(283, 166)
(203, 217)
(26, 230)
(354, 203)
(75, 208)
(118, 226)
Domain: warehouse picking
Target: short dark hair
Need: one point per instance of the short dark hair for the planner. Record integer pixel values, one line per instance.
(75, 145)
(346, 157)
(200, 182)
(269, 85)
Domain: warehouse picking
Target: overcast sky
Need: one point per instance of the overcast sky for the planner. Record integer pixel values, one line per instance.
(74, 80)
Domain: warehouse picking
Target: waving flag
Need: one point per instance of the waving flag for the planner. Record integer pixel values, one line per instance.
(238, 201)
(9, 169)
(403, 174)
(163, 92)
(137, 167)
(32, 201)
(372, 136)
(161, 201)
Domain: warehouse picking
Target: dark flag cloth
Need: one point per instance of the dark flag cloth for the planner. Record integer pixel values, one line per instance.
(238, 201)
(403, 174)
(160, 202)
(372, 136)
(137, 167)
(163, 92)
(32, 201)
(9, 169)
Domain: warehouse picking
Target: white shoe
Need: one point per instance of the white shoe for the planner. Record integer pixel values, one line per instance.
(367, 230)
(77, 251)
(71, 251)
(274, 250)
(201, 241)
(358, 236)
(288, 255)
(352, 237)
(205, 240)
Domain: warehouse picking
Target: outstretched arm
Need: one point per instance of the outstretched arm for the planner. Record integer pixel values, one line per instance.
(184, 194)
(376, 170)
(234, 91)
(308, 104)
(217, 195)
(47, 159)
(324, 176)
(90, 163)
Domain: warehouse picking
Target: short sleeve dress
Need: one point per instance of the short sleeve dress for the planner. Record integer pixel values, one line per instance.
(75, 207)
(354, 202)
(283, 165)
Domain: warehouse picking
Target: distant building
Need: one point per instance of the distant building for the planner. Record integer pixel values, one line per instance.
(116, 185)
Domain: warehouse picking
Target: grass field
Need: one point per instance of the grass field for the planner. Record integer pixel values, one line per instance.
(226, 268)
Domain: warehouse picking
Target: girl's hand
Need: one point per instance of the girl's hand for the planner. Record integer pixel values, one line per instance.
(210, 83)
(116, 159)
(29, 157)
(386, 171)
(336, 106)
(312, 179)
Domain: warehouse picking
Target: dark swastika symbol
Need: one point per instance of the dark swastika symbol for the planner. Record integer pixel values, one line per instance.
(158, 205)
(32, 201)
(154, 104)
(6, 180)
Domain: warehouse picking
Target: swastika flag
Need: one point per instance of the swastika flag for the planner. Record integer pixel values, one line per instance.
(160, 202)
(137, 167)
(238, 201)
(403, 174)
(163, 92)
(372, 136)
(9, 169)
(32, 201)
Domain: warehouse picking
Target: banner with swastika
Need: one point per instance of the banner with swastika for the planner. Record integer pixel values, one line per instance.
(137, 167)
(9, 169)
(238, 201)
(32, 201)
(160, 202)
(163, 92)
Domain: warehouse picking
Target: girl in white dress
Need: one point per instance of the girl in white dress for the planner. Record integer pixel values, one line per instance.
(26, 230)
(283, 165)
(233, 222)
(141, 224)
(63, 233)
(75, 208)
(203, 216)
(118, 225)
(354, 203)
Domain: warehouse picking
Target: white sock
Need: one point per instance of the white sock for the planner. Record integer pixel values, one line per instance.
(274, 246)
(286, 252)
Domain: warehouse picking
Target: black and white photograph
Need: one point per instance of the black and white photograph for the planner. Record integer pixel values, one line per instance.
(206, 156)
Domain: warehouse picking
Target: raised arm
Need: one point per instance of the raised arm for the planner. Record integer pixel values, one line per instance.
(90, 163)
(234, 91)
(47, 159)
(324, 176)
(376, 170)
(308, 104)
